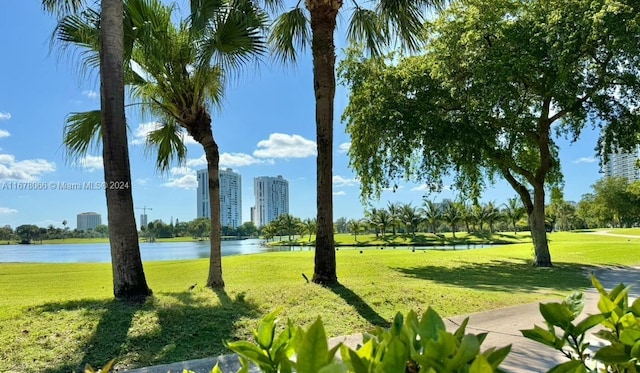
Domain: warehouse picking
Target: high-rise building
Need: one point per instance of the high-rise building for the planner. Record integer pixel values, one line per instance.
(623, 164)
(272, 199)
(88, 220)
(143, 220)
(230, 197)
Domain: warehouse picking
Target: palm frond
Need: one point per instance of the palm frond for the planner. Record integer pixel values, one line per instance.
(404, 19)
(291, 30)
(62, 7)
(366, 26)
(80, 31)
(168, 142)
(82, 132)
(235, 35)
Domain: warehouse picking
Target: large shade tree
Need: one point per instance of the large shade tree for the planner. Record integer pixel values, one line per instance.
(177, 72)
(498, 81)
(315, 23)
(129, 282)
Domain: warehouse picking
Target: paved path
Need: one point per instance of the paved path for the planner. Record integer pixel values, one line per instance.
(607, 233)
(502, 324)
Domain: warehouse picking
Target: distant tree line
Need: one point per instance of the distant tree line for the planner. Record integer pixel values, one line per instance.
(198, 228)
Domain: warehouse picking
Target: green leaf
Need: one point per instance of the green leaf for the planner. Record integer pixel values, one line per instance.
(573, 366)
(575, 303)
(312, 349)
(353, 359)
(290, 31)
(613, 354)
(250, 351)
(333, 368)
(558, 314)
(430, 325)
(480, 365)
(469, 348)
(496, 356)
(216, 369)
(635, 307)
(266, 328)
(540, 335)
(588, 323)
(630, 336)
(395, 358)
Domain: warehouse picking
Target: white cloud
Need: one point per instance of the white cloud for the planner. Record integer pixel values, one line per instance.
(91, 163)
(280, 145)
(182, 177)
(27, 170)
(585, 160)
(342, 181)
(142, 131)
(198, 162)
(339, 193)
(429, 188)
(393, 188)
(90, 94)
(240, 160)
(183, 182)
(142, 181)
(7, 211)
(5, 116)
(4, 133)
(344, 147)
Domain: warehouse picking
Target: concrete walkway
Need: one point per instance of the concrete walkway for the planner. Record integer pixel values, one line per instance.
(503, 326)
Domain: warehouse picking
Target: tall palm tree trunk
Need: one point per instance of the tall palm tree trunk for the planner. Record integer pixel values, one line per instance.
(129, 281)
(203, 134)
(323, 25)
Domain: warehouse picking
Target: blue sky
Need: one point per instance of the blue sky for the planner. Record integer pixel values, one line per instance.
(265, 128)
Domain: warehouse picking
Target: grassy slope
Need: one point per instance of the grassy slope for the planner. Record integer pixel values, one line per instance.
(57, 317)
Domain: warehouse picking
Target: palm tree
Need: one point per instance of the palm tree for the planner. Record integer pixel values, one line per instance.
(394, 218)
(491, 214)
(411, 217)
(183, 75)
(376, 27)
(453, 214)
(354, 227)
(513, 211)
(432, 214)
(129, 281)
(310, 226)
(382, 219)
(289, 224)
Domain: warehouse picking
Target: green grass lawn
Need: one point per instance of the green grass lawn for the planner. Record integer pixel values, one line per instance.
(56, 317)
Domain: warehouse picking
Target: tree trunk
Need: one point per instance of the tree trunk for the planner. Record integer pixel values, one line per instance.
(542, 256)
(323, 25)
(204, 135)
(129, 281)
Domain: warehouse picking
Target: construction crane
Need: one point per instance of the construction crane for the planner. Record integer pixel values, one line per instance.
(144, 209)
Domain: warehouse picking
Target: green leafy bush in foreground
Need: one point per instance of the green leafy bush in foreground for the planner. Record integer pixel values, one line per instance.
(618, 323)
(409, 345)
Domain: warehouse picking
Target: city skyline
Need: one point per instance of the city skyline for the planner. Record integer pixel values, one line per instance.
(265, 126)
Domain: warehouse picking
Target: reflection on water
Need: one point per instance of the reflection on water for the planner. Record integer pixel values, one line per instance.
(100, 253)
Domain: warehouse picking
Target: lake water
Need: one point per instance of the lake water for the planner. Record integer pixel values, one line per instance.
(156, 251)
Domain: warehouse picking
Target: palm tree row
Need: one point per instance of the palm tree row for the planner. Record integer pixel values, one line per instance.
(431, 216)
(288, 225)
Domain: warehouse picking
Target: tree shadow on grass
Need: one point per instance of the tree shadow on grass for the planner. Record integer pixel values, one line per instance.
(178, 327)
(359, 305)
(503, 275)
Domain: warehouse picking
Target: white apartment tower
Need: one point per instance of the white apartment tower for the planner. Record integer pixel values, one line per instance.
(230, 197)
(88, 220)
(623, 164)
(272, 199)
